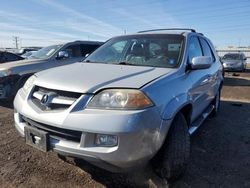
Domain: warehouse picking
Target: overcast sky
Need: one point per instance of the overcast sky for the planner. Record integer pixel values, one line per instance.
(45, 22)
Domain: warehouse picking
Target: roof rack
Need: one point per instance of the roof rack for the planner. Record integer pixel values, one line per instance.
(168, 29)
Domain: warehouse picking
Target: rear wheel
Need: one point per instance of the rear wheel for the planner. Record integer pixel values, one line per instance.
(172, 159)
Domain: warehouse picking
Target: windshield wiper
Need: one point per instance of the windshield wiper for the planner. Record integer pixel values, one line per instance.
(32, 57)
(89, 61)
(125, 63)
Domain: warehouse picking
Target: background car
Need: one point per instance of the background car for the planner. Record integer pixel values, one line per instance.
(234, 62)
(7, 57)
(27, 54)
(14, 74)
(24, 50)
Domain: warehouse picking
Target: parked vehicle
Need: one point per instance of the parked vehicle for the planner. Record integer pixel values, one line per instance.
(136, 99)
(7, 57)
(27, 54)
(24, 50)
(14, 74)
(234, 62)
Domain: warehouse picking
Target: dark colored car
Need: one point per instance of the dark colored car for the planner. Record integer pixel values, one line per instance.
(7, 57)
(24, 50)
(14, 74)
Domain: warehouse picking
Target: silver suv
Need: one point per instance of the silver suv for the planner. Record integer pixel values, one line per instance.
(136, 99)
(14, 74)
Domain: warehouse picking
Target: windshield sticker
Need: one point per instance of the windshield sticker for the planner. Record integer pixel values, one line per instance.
(171, 61)
(174, 47)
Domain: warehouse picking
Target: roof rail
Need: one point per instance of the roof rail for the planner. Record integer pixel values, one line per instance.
(168, 29)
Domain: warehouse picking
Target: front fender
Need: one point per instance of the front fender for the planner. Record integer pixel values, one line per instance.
(175, 105)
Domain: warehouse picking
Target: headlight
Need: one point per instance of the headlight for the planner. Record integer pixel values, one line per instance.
(122, 99)
(29, 83)
(5, 73)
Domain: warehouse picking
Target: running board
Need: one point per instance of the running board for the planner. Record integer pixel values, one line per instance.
(197, 123)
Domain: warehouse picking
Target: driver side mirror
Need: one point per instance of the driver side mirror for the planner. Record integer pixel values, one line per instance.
(62, 55)
(201, 62)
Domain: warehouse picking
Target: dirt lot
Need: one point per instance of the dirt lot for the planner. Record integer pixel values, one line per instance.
(220, 155)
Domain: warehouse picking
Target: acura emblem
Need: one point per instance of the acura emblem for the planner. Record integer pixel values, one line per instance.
(45, 99)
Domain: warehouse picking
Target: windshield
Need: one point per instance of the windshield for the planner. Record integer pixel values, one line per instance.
(232, 57)
(159, 50)
(45, 52)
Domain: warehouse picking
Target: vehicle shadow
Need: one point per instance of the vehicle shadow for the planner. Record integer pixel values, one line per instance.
(144, 177)
(234, 81)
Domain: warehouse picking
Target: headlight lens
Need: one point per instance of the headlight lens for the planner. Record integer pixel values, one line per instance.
(5, 73)
(123, 99)
(29, 83)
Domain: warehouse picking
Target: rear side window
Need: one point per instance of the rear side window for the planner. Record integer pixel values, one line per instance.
(74, 51)
(11, 57)
(87, 49)
(194, 48)
(206, 49)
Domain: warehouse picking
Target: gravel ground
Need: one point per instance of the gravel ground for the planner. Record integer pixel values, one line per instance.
(220, 155)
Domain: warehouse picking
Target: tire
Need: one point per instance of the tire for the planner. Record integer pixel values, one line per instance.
(172, 159)
(216, 103)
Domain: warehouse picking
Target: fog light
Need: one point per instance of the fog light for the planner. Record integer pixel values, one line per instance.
(106, 140)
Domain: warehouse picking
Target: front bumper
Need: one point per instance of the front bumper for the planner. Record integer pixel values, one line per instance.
(233, 67)
(140, 133)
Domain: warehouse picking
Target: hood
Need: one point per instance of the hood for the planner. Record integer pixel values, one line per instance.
(12, 64)
(90, 77)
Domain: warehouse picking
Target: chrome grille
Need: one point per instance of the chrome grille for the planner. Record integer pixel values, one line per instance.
(55, 99)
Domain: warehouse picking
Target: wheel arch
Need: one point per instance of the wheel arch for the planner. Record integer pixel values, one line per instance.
(181, 103)
(21, 80)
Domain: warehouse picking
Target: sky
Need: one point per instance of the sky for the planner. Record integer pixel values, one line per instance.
(46, 22)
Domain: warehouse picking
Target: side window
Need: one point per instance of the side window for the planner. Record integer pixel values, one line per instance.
(206, 49)
(10, 57)
(194, 48)
(74, 51)
(87, 49)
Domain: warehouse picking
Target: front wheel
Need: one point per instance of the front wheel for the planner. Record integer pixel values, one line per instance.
(216, 104)
(172, 159)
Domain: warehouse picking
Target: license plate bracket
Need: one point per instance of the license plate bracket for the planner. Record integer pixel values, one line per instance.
(36, 138)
